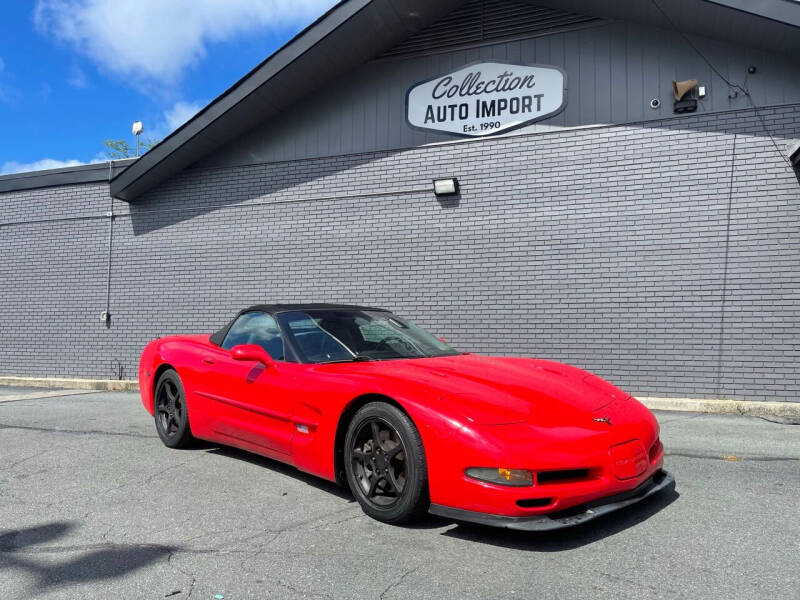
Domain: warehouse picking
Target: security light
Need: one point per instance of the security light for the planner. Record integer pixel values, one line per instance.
(794, 154)
(445, 187)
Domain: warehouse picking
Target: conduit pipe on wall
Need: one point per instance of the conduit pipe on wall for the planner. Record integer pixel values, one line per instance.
(105, 316)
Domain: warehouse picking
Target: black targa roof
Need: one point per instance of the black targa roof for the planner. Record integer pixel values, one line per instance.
(218, 336)
(275, 308)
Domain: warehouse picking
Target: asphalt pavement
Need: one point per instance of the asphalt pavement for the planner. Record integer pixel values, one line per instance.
(92, 505)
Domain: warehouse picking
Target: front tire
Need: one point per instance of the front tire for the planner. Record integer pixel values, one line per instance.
(385, 464)
(171, 414)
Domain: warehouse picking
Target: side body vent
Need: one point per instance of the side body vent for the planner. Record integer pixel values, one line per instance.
(481, 21)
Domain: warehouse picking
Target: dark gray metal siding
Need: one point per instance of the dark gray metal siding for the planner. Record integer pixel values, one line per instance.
(482, 21)
(601, 247)
(613, 71)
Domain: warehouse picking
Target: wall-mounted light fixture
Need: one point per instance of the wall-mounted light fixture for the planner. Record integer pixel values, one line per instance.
(793, 151)
(794, 157)
(445, 187)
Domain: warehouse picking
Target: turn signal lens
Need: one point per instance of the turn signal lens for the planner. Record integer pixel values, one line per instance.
(502, 476)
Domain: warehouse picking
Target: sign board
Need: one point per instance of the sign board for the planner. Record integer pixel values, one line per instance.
(486, 98)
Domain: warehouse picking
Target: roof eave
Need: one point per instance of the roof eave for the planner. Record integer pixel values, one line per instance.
(781, 11)
(383, 23)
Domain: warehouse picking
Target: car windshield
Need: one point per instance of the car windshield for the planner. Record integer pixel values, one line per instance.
(350, 335)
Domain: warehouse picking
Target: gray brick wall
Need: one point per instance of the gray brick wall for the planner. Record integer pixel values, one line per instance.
(601, 247)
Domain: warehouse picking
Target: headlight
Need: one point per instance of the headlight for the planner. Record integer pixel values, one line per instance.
(501, 476)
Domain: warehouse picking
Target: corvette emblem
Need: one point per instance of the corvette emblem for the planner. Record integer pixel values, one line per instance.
(606, 420)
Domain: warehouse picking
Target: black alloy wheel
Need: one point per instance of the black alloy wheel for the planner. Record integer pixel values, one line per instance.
(385, 463)
(171, 416)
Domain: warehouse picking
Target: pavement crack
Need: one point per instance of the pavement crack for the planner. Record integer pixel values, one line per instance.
(350, 518)
(150, 477)
(285, 528)
(105, 535)
(27, 458)
(398, 581)
(301, 592)
(76, 431)
(85, 548)
(191, 587)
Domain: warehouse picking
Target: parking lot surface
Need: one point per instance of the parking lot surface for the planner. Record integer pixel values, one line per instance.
(92, 505)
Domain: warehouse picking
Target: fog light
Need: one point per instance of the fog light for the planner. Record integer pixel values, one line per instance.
(502, 476)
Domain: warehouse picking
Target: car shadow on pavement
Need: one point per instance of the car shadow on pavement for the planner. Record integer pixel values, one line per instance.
(542, 541)
(33, 550)
(427, 521)
(568, 538)
(282, 468)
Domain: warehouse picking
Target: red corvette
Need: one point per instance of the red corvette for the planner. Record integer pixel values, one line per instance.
(362, 396)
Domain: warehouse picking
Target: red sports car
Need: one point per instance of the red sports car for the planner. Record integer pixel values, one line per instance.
(362, 396)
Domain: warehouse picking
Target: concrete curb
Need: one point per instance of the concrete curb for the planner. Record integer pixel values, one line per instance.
(111, 385)
(737, 407)
(715, 406)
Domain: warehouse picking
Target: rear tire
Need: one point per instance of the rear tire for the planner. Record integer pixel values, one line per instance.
(388, 478)
(171, 414)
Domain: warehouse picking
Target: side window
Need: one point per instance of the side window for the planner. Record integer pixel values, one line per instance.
(256, 328)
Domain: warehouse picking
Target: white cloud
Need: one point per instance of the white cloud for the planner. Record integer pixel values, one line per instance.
(39, 165)
(171, 118)
(158, 39)
(180, 113)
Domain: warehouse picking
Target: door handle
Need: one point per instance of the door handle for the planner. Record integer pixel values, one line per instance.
(208, 361)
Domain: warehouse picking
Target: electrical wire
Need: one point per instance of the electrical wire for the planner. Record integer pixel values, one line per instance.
(735, 86)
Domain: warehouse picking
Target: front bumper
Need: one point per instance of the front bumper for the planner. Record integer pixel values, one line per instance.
(586, 512)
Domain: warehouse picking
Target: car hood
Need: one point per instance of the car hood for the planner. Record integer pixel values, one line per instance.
(495, 390)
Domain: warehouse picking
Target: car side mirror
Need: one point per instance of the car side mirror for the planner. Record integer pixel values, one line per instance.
(252, 352)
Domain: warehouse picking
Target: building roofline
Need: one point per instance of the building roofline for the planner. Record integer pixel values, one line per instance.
(782, 11)
(63, 176)
(390, 20)
(222, 103)
(326, 49)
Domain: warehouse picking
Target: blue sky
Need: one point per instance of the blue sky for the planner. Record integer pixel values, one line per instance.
(76, 72)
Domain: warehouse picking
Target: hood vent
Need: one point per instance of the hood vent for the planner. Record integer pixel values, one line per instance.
(481, 21)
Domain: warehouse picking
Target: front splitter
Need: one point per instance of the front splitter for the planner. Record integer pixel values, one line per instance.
(660, 481)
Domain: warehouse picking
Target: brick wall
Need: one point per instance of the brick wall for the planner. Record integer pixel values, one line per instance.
(602, 247)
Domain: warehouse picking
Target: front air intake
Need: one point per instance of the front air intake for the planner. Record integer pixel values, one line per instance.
(534, 502)
(564, 475)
